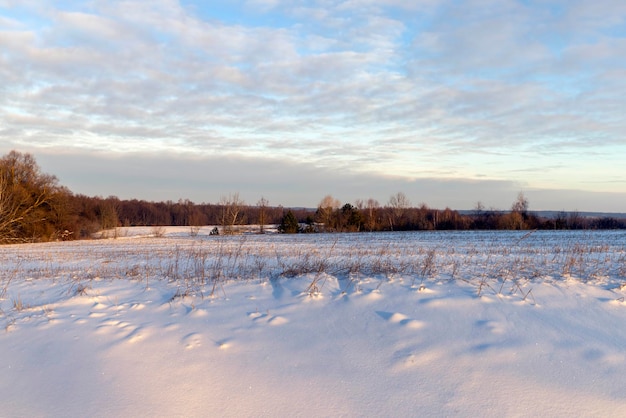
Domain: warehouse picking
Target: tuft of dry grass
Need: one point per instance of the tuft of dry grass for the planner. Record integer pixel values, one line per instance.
(81, 289)
(18, 304)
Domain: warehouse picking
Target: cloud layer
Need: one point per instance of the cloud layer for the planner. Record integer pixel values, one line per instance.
(522, 92)
(160, 177)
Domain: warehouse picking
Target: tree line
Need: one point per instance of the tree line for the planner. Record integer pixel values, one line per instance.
(398, 214)
(34, 207)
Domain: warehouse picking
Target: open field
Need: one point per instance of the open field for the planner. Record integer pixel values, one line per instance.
(402, 324)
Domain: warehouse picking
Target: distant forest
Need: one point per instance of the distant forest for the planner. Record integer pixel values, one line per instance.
(35, 208)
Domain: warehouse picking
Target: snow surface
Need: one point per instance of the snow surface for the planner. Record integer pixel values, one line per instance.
(397, 324)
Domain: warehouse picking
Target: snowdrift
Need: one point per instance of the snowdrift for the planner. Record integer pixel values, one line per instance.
(398, 324)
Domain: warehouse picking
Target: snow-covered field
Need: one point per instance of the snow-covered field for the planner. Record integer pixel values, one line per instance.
(388, 324)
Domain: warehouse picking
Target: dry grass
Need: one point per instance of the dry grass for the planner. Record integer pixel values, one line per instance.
(200, 266)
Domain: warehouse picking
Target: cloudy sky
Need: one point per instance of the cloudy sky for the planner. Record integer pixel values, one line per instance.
(448, 101)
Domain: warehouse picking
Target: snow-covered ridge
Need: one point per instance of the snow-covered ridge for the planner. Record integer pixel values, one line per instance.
(403, 324)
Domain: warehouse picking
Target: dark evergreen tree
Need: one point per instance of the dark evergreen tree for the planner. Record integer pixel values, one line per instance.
(289, 224)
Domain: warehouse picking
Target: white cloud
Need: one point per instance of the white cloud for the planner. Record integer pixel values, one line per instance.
(407, 88)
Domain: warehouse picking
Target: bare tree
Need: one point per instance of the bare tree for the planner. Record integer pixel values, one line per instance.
(519, 212)
(521, 204)
(25, 198)
(11, 214)
(108, 214)
(426, 218)
(371, 207)
(231, 212)
(479, 208)
(262, 205)
(325, 211)
(398, 204)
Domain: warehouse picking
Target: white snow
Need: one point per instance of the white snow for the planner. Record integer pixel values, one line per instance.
(388, 324)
